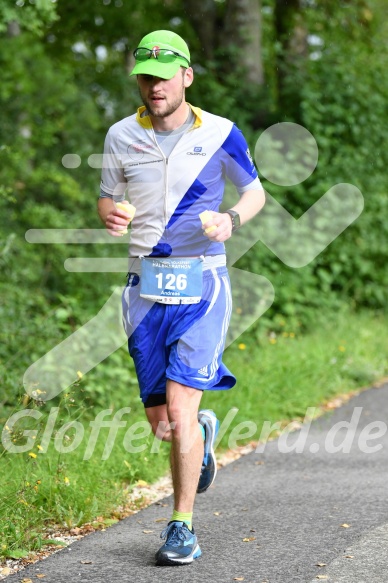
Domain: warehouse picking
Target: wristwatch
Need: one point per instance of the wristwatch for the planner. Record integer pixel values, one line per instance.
(236, 224)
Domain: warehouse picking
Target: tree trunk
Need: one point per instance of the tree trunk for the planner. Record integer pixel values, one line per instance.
(202, 16)
(243, 28)
(291, 34)
(13, 28)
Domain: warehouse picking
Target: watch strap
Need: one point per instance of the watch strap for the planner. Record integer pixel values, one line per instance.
(235, 219)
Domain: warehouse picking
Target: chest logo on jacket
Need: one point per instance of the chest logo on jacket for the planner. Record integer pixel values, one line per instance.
(136, 150)
(197, 151)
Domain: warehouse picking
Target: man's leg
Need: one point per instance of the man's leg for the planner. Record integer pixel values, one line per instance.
(186, 443)
(177, 422)
(163, 429)
(158, 419)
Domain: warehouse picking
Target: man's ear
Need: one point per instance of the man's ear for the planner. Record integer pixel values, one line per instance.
(188, 77)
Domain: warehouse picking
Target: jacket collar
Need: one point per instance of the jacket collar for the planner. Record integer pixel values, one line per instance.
(145, 120)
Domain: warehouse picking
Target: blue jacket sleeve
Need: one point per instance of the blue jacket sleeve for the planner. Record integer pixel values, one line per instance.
(237, 160)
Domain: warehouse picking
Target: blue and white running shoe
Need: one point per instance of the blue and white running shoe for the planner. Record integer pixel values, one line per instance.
(181, 546)
(210, 423)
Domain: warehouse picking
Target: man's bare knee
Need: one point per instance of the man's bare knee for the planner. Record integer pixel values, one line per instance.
(181, 420)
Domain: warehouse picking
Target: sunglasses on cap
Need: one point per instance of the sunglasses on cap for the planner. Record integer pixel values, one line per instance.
(163, 55)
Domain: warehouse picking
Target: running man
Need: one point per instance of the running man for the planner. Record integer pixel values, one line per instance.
(170, 161)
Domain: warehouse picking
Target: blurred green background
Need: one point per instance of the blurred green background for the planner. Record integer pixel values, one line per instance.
(64, 80)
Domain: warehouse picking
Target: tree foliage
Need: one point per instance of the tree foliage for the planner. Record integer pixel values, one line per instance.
(64, 69)
(34, 17)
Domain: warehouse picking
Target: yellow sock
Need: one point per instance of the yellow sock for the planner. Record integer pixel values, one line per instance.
(186, 517)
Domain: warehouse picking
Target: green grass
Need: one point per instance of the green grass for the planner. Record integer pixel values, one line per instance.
(280, 374)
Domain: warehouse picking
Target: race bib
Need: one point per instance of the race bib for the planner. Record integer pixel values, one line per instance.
(171, 280)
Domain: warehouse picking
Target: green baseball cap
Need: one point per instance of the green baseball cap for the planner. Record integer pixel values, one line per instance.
(161, 64)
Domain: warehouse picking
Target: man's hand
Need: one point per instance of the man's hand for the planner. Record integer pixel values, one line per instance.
(218, 226)
(223, 226)
(116, 219)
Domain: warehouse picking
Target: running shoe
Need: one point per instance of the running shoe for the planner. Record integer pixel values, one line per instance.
(210, 423)
(181, 546)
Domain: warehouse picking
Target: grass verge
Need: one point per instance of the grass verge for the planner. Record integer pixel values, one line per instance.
(80, 459)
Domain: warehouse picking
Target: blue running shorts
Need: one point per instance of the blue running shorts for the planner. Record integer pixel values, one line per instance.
(181, 342)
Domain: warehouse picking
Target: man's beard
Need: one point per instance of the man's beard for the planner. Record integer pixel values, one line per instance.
(171, 108)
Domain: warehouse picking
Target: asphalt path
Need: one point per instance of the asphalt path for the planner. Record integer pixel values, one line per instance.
(316, 514)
